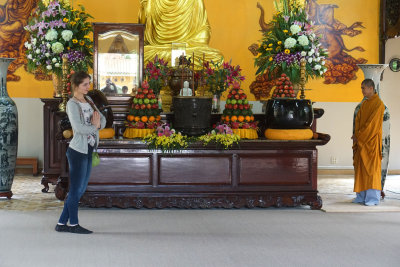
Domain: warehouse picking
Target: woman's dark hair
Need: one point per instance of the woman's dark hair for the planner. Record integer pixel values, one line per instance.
(78, 77)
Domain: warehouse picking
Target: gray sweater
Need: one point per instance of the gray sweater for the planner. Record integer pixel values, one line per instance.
(81, 131)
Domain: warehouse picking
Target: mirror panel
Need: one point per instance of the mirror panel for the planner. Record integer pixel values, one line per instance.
(118, 68)
(118, 58)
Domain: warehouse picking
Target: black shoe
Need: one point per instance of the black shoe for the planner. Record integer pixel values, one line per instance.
(62, 228)
(77, 229)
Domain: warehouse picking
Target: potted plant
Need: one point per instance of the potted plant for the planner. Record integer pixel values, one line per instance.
(291, 38)
(289, 51)
(58, 30)
(219, 77)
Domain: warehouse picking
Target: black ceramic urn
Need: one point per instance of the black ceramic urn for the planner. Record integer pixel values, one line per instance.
(286, 113)
(192, 115)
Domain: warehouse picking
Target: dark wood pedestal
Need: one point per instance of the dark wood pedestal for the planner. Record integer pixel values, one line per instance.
(8, 194)
(261, 173)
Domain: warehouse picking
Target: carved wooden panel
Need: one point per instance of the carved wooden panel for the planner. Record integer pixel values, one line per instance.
(122, 169)
(195, 169)
(266, 169)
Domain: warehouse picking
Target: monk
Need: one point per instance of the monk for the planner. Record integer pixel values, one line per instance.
(367, 147)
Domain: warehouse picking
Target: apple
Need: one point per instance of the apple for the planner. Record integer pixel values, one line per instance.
(240, 101)
(233, 92)
(233, 101)
(235, 106)
(142, 106)
(280, 91)
(137, 106)
(146, 101)
(155, 106)
(248, 106)
(240, 106)
(148, 106)
(237, 97)
(243, 96)
(150, 91)
(140, 101)
(226, 105)
(228, 101)
(286, 87)
(286, 91)
(245, 101)
(145, 91)
(282, 95)
(230, 106)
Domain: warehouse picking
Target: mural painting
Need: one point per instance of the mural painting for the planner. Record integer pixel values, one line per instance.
(14, 16)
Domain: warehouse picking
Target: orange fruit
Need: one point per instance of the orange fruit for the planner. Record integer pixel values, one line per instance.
(137, 118)
(130, 117)
(233, 118)
(227, 119)
(151, 118)
(240, 118)
(158, 118)
(144, 118)
(247, 118)
(252, 118)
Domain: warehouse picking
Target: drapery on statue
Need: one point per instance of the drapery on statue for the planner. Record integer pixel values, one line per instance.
(14, 16)
(171, 21)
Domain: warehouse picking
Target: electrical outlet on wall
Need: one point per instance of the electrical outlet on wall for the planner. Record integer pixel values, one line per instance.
(333, 160)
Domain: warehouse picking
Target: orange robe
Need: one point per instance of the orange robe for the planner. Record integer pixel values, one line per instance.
(367, 151)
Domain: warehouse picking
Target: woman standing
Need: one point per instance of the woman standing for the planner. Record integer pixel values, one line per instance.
(86, 121)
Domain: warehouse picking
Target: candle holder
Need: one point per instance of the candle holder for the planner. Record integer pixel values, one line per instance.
(63, 105)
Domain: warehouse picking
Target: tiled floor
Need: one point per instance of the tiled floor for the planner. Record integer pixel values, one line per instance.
(336, 192)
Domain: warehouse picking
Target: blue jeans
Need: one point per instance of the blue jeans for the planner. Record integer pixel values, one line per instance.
(80, 166)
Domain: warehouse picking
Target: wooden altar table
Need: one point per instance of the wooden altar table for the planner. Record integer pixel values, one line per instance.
(259, 173)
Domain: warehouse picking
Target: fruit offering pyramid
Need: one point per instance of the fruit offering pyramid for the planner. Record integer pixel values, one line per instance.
(284, 87)
(238, 115)
(237, 108)
(144, 112)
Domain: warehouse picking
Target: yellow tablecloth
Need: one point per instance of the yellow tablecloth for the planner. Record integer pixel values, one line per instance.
(246, 133)
(135, 133)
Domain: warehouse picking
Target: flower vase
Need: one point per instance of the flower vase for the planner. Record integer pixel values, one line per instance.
(374, 72)
(57, 84)
(216, 103)
(8, 133)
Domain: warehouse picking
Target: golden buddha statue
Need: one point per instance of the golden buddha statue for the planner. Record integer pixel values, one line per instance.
(172, 21)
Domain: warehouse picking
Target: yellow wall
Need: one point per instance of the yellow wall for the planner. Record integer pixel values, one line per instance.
(235, 27)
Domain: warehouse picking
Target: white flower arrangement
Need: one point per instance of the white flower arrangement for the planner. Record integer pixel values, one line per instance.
(290, 40)
(56, 30)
